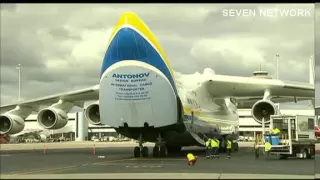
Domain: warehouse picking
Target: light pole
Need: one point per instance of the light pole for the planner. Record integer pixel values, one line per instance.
(19, 75)
(277, 58)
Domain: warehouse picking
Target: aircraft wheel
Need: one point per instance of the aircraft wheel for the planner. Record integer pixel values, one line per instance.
(145, 152)
(136, 151)
(155, 151)
(163, 151)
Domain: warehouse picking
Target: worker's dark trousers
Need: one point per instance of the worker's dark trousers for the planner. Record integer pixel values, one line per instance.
(257, 153)
(208, 152)
(214, 151)
(229, 152)
(217, 151)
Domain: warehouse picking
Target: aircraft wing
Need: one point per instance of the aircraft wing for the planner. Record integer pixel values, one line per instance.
(247, 90)
(76, 97)
(247, 102)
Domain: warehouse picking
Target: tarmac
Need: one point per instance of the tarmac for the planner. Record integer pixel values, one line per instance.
(115, 161)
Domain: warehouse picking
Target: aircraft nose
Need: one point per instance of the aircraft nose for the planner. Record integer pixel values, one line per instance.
(128, 45)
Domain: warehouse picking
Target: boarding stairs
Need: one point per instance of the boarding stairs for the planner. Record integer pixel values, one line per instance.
(198, 136)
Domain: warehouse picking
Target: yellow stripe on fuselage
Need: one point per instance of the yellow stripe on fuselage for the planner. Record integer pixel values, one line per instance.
(131, 19)
(188, 111)
(197, 113)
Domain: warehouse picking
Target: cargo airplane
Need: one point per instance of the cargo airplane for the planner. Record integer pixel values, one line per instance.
(142, 98)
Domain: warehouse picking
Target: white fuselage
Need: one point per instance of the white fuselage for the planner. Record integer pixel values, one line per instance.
(216, 112)
(136, 95)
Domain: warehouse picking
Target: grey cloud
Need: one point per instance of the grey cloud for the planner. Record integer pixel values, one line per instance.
(63, 33)
(8, 7)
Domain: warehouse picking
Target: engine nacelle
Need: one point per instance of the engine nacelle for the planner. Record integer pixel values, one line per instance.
(52, 118)
(92, 114)
(263, 109)
(11, 124)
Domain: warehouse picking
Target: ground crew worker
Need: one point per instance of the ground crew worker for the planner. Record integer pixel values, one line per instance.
(191, 159)
(208, 148)
(218, 148)
(267, 147)
(214, 147)
(229, 145)
(256, 149)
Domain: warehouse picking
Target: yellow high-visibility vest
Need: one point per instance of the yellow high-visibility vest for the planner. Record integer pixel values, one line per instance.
(214, 143)
(190, 157)
(208, 143)
(218, 142)
(267, 147)
(229, 144)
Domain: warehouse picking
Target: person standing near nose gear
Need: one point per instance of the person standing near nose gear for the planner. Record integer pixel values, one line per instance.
(267, 148)
(229, 146)
(218, 148)
(214, 146)
(208, 148)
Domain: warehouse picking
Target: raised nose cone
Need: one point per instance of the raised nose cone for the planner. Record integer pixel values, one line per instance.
(128, 19)
(133, 40)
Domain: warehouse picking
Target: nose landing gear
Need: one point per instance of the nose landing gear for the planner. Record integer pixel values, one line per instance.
(140, 150)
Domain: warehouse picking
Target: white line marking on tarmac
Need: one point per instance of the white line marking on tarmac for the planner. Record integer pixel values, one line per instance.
(4, 155)
(41, 170)
(111, 161)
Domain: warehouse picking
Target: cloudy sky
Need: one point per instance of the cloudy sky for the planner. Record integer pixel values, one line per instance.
(61, 47)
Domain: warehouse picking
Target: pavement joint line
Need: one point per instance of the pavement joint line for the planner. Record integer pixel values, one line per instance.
(140, 164)
(155, 159)
(25, 171)
(41, 170)
(111, 161)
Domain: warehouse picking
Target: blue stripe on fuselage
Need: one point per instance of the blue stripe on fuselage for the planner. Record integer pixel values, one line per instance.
(128, 44)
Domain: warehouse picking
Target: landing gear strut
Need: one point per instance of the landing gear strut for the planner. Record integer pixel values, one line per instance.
(160, 150)
(140, 150)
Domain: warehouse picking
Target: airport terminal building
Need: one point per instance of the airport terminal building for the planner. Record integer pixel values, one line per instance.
(78, 129)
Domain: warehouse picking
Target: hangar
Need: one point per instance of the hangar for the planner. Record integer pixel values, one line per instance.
(78, 129)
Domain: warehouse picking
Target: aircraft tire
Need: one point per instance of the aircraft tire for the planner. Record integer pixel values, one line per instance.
(145, 151)
(136, 152)
(155, 151)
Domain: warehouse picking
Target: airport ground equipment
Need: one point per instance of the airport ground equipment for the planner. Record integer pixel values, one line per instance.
(297, 138)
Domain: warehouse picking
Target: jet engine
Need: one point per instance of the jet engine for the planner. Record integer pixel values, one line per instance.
(52, 118)
(263, 109)
(92, 114)
(11, 124)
